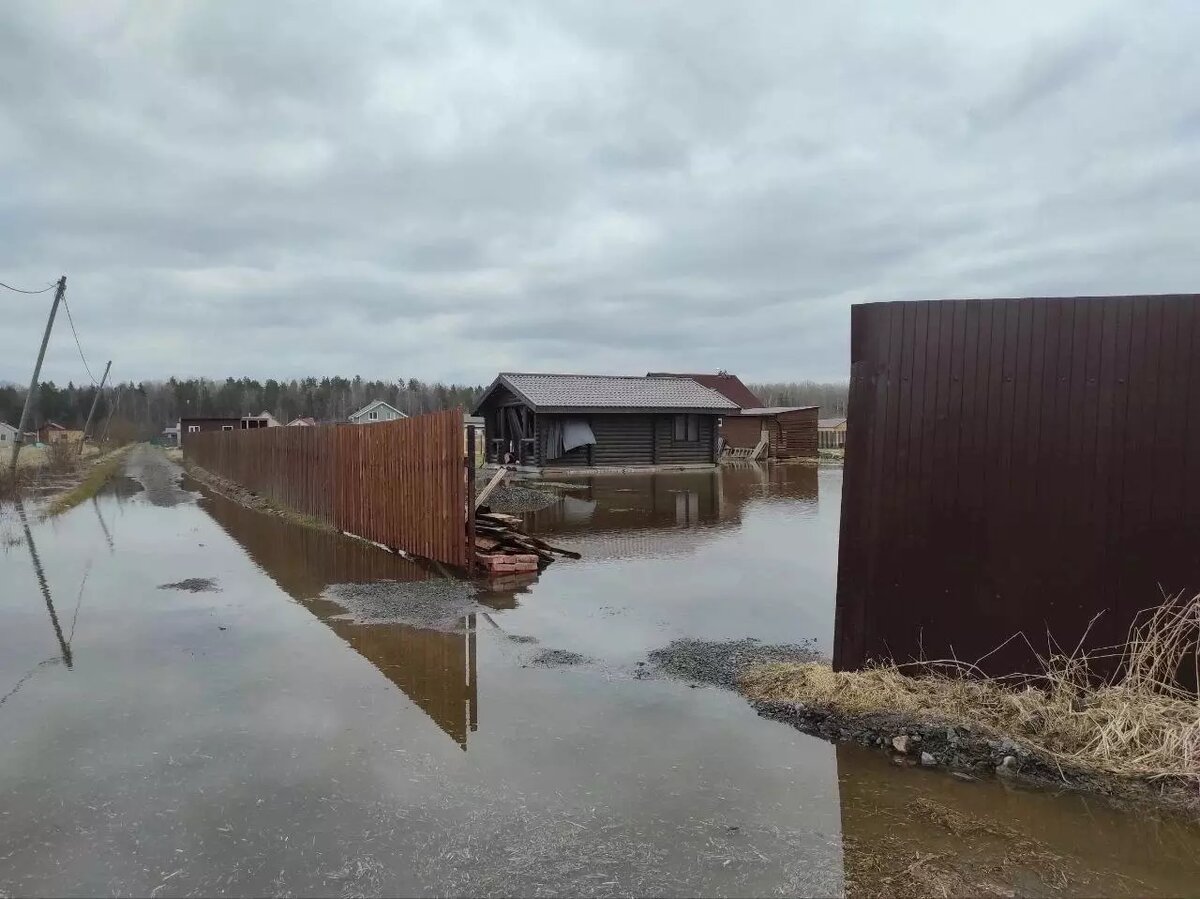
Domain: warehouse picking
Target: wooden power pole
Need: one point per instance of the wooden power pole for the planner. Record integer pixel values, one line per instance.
(31, 396)
(115, 407)
(96, 399)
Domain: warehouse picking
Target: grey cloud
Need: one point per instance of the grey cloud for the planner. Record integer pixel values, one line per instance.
(442, 190)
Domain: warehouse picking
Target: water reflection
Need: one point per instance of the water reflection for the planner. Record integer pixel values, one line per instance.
(436, 669)
(668, 513)
(44, 585)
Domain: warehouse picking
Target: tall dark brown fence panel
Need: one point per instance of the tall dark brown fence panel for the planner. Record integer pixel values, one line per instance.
(400, 483)
(1015, 466)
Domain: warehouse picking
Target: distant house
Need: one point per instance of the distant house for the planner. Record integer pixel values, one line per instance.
(785, 432)
(8, 434)
(304, 422)
(170, 435)
(600, 421)
(262, 420)
(729, 386)
(831, 433)
(376, 411)
(474, 421)
(201, 424)
(53, 432)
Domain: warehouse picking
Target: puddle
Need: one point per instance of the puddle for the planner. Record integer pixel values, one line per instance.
(363, 727)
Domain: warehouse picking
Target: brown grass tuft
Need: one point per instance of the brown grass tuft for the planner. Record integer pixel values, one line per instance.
(1138, 723)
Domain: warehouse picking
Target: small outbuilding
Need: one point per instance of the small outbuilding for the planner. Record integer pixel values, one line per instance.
(549, 421)
(785, 432)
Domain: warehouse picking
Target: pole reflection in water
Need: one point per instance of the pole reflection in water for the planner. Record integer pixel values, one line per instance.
(435, 668)
(44, 585)
(103, 526)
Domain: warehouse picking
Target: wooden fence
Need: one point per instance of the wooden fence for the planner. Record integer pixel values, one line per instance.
(400, 483)
(1016, 466)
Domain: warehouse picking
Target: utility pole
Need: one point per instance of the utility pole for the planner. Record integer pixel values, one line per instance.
(96, 399)
(108, 421)
(31, 396)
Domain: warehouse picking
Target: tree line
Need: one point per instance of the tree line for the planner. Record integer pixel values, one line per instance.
(830, 396)
(146, 407)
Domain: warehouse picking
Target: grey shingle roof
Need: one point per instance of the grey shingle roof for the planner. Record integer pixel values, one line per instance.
(614, 392)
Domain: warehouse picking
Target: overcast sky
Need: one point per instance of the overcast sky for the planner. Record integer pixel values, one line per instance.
(441, 191)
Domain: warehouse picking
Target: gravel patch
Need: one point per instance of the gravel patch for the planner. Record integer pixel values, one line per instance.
(435, 604)
(513, 498)
(194, 585)
(556, 658)
(722, 663)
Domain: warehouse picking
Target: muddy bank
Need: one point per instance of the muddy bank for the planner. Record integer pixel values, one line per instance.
(973, 753)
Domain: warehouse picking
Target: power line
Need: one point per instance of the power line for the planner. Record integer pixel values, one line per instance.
(19, 290)
(86, 367)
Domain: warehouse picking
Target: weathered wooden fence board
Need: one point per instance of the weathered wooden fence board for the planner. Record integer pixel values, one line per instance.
(1016, 465)
(400, 483)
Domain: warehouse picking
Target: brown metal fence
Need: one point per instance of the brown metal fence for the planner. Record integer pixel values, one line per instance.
(400, 483)
(1016, 466)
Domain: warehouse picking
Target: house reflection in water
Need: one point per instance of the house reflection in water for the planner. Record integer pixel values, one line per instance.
(435, 668)
(665, 513)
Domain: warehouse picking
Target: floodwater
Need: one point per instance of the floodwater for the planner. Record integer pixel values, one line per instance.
(200, 699)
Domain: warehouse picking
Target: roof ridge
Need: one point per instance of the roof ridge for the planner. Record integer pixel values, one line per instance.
(556, 374)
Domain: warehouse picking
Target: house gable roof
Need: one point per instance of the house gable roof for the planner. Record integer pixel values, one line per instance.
(729, 386)
(7, 427)
(551, 393)
(375, 404)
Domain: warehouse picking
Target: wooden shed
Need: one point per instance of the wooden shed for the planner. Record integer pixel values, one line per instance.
(788, 432)
(548, 421)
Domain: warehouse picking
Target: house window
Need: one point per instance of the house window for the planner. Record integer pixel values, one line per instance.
(193, 429)
(687, 429)
(372, 415)
(3, 437)
(226, 427)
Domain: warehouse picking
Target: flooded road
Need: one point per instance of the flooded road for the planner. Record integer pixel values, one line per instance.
(252, 707)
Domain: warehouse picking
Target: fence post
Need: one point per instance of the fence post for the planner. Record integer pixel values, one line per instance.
(470, 500)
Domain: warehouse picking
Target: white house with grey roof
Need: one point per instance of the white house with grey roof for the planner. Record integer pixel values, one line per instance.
(548, 421)
(8, 434)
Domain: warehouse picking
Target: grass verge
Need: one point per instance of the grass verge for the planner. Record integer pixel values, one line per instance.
(1138, 724)
(99, 475)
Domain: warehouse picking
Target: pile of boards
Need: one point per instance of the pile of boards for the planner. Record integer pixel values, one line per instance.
(502, 547)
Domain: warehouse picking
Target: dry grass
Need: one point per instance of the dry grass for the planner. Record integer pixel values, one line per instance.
(1137, 723)
(99, 475)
